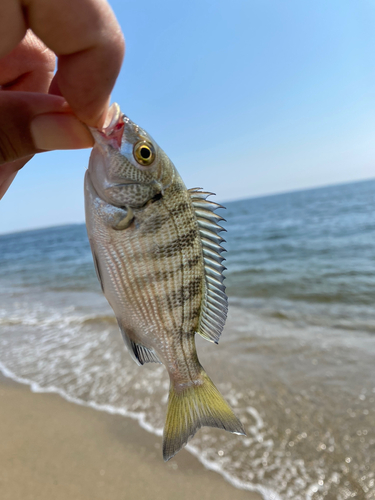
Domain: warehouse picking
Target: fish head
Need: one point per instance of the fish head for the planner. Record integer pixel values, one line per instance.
(127, 168)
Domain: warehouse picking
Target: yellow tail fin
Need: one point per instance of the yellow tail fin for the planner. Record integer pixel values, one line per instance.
(193, 407)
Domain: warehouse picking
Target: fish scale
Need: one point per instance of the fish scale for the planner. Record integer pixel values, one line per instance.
(177, 279)
(157, 253)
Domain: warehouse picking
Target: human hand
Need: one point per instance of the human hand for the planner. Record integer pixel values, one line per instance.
(40, 111)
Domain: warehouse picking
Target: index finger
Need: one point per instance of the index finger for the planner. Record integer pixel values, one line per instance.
(87, 39)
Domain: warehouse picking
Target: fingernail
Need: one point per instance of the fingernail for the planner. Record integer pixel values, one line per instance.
(60, 131)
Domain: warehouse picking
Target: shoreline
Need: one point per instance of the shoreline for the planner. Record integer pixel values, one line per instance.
(52, 448)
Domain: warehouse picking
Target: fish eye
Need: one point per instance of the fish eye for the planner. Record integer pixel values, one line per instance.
(144, 153)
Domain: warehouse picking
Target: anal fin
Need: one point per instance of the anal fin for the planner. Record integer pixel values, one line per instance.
(96, 265)
(143, 354)
(138, 352)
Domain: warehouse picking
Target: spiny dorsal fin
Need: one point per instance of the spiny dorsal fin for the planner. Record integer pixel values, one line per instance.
(138, 352)
(215, 302)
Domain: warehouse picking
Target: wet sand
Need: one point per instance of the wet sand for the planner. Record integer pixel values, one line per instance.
(51, 448)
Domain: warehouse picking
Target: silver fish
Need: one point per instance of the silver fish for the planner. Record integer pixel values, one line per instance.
(157, 253)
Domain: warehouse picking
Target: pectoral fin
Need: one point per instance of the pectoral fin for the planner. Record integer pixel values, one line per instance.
(125, 221)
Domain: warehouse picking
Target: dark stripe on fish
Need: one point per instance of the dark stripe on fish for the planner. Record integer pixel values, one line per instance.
(181, 208)
(159, 276)
(174, 247)
(156, 277)
(154, 222)
(177, 298)
(191, 262)
(192, 315)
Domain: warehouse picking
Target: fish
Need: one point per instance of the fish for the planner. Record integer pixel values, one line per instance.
(157, 253)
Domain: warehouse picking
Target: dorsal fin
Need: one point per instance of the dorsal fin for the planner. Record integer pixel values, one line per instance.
(215, 302)
(138, 352)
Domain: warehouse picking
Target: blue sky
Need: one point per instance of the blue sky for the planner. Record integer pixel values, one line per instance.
(246, 97)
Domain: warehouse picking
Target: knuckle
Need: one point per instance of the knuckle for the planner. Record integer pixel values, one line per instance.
(7, 150)
(37, 52)
(15, 137)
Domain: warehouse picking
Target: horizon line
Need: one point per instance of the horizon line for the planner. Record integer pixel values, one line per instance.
(266, 195)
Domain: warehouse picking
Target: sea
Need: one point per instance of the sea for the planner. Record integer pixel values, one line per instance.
(296, 359)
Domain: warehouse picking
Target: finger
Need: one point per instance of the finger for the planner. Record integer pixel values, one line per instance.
(31, 123)
(13, 25)
(87, 39)
(28, 67)
(8, 172)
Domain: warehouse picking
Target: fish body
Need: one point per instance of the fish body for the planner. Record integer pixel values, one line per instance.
(156, 249)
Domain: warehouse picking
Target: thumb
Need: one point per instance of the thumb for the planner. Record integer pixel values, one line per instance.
(31, 123)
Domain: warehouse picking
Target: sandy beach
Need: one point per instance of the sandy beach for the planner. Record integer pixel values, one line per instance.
(51, 448)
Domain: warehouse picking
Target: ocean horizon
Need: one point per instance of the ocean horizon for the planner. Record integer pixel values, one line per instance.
(223, 201)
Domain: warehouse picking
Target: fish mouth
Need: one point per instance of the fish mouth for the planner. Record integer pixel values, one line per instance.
(113, 116)
(112, 130)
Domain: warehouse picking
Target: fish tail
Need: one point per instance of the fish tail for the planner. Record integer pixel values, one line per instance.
(192, 407)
